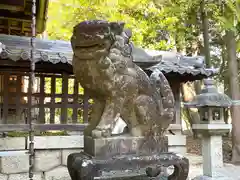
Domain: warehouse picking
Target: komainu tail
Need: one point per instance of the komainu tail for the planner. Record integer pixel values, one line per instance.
(167, 102)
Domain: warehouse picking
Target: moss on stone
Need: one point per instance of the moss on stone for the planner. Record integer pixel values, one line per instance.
(44, 133)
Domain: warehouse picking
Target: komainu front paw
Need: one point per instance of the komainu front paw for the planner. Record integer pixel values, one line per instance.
(98, 133)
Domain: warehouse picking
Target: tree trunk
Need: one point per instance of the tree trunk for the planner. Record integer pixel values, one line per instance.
(225, 80)
(234, 92)
(205, 34)
(192, 115)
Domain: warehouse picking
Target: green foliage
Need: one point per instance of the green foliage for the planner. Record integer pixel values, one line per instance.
(141, 16)
(179, 18)
(45, 133)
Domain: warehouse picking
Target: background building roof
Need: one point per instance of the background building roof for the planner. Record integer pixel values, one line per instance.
(60, 52)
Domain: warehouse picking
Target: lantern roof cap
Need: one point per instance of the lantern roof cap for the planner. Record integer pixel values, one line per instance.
(210, 97)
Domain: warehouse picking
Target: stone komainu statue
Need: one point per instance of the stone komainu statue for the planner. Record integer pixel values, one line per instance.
(103, 64)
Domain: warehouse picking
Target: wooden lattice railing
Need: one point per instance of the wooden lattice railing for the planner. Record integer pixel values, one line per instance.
(59, 102)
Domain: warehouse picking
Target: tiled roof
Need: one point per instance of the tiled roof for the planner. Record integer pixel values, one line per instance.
(16, 48)
(171, 62)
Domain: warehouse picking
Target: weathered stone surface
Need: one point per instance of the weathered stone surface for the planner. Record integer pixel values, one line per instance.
(103, 64)
(107, 147)
(177, 143)
(195, 159)
(42, 142)
(47, 159)
(58, 173)
(66, 152)
(216, 129)
(3, 177)
(10, 143)
(176, 140)
(81, 166)
(177, 149)
(210, 97)
(58, 142)
(212, 154)
(24, 176)
(14, 164)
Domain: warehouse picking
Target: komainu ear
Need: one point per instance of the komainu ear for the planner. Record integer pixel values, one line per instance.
(117, 27)
(128, 33)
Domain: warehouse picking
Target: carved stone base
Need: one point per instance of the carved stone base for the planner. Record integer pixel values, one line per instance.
(119, 145)
(125, 157)
(81, 166)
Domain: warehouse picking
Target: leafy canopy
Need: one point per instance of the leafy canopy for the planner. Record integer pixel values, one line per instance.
(141, 16)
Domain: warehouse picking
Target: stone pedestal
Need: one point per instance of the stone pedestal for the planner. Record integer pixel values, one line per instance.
(177, 142)
(118, 145)
(212, 147)
(125, 157)
(212, 155)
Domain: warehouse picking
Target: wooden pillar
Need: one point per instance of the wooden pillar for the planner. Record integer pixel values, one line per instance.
(176, 91)
(64, 114)
(53, 92)
(6, 97)
(41, 100)
(75, 102)
(177, 142)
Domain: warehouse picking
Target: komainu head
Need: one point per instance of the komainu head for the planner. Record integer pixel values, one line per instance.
(95, 38)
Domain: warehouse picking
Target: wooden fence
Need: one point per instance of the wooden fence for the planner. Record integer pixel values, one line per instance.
(58, 102)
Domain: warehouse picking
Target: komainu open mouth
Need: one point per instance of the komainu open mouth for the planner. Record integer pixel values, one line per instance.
(89, 50)
(86, 46)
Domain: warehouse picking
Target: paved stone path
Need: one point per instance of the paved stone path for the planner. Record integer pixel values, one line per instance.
(229, 172)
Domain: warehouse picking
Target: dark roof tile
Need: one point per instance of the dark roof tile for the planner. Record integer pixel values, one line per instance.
(16, 48)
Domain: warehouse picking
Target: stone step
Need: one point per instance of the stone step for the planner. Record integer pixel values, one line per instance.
(13, 153)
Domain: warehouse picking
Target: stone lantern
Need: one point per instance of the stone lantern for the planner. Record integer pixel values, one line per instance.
(211, 104)
(211, 128)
